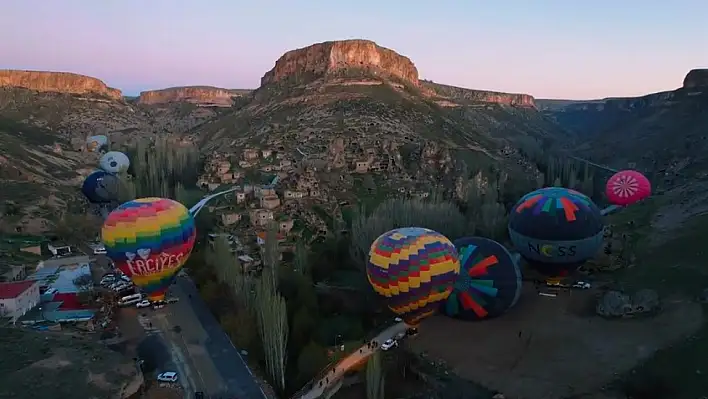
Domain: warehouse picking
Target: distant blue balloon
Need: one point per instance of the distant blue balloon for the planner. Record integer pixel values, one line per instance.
(100, 187)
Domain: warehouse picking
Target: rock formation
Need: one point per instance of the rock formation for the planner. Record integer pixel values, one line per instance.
(59, 82)
(453, 92)
(336, 58)
(696, 78)
(201, 95)
(321, 59)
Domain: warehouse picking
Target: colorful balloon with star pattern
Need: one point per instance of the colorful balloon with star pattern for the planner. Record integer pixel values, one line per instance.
(556, 229)
(414, 269)
(150, 239)
(489, 283)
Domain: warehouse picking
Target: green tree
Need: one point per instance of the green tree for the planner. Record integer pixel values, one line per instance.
(311, 360)
(375, 377)
(302, 326)
(435, 214)
(300, 263)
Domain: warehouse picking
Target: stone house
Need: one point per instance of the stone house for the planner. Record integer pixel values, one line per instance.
(285, 163)
(230, 218)
(244, 164)
(270, 201)
(261, 217)
(213, 186)
(223, 167)
(260, 192)
(240, 197)
(284, 226)
(250, 154)
(291, 194)
(361, 166)
(266, 153)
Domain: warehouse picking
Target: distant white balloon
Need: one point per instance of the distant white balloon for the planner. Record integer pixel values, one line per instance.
(114, 162)
(96, 143)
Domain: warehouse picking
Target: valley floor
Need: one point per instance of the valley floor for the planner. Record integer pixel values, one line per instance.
(552, 348)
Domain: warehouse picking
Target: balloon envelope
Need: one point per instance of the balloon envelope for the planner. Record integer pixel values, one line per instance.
(100, 187)
(96, 143)
(489, 283)
(150, 239)
(114, 162)
(627, 187)
(556, 229)
(414, 269)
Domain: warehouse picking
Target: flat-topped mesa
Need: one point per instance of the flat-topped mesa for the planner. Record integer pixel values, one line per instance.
(696, 78)
(58, 82)
(200, 95)
(321, 59)
(481, 96)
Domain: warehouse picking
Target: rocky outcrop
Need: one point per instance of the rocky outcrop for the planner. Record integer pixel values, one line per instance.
(696, 78)
(617, 304)
(59, 82)
(200, 95)
(480, 96)
(321, 59)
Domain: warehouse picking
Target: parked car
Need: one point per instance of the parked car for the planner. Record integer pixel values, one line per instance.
(172, 300)
(390, 343)
(412, 332)
(167, 376)
(143, 304)
(158, 305)
(51, 291)
(398, 319)
(582, 285)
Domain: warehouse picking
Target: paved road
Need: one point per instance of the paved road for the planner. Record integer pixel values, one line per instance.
(237, 378)
(334, 376)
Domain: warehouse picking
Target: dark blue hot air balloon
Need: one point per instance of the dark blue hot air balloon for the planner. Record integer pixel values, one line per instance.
(556, 230)
(100, 187)
(489, 282)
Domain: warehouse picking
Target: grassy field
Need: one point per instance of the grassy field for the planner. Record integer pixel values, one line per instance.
(674, 267)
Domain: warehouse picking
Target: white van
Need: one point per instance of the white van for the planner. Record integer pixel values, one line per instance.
(130, 299)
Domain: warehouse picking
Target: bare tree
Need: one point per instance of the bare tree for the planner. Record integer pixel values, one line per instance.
(272, 312)
(375, 377)
(300, 262)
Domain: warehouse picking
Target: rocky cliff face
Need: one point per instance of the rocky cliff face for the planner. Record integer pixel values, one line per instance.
(200, 95)
(696, 78)
(59, 82)
(321, 59)
(481, 96)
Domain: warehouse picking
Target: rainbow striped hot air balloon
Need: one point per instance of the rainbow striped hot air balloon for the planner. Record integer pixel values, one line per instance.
(150, 239)
(415, 269)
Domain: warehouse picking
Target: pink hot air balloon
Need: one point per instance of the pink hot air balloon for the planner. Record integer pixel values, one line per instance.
(627, 187)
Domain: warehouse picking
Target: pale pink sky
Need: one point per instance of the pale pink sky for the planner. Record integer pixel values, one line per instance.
(547, 48)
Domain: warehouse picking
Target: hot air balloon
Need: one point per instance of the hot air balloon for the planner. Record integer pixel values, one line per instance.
(150, 239)
(114, 162)
(627, 187)
(414, 269)
(97, 143)
(100, 187)
(556, 229)
(489, 283)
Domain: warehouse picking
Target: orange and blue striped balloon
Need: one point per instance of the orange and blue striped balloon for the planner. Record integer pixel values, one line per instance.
(414, 269)
(150, 239)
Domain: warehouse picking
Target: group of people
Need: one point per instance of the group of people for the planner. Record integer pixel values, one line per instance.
(370, 345)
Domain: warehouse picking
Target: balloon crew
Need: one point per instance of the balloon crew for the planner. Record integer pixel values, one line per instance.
(101, 187)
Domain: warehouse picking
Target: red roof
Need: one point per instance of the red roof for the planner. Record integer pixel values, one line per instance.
(13, 290)
(69, 301)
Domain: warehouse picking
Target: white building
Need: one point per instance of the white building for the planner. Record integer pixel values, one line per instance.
(17, 298)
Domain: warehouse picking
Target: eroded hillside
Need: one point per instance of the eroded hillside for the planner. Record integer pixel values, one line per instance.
(356, 106)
